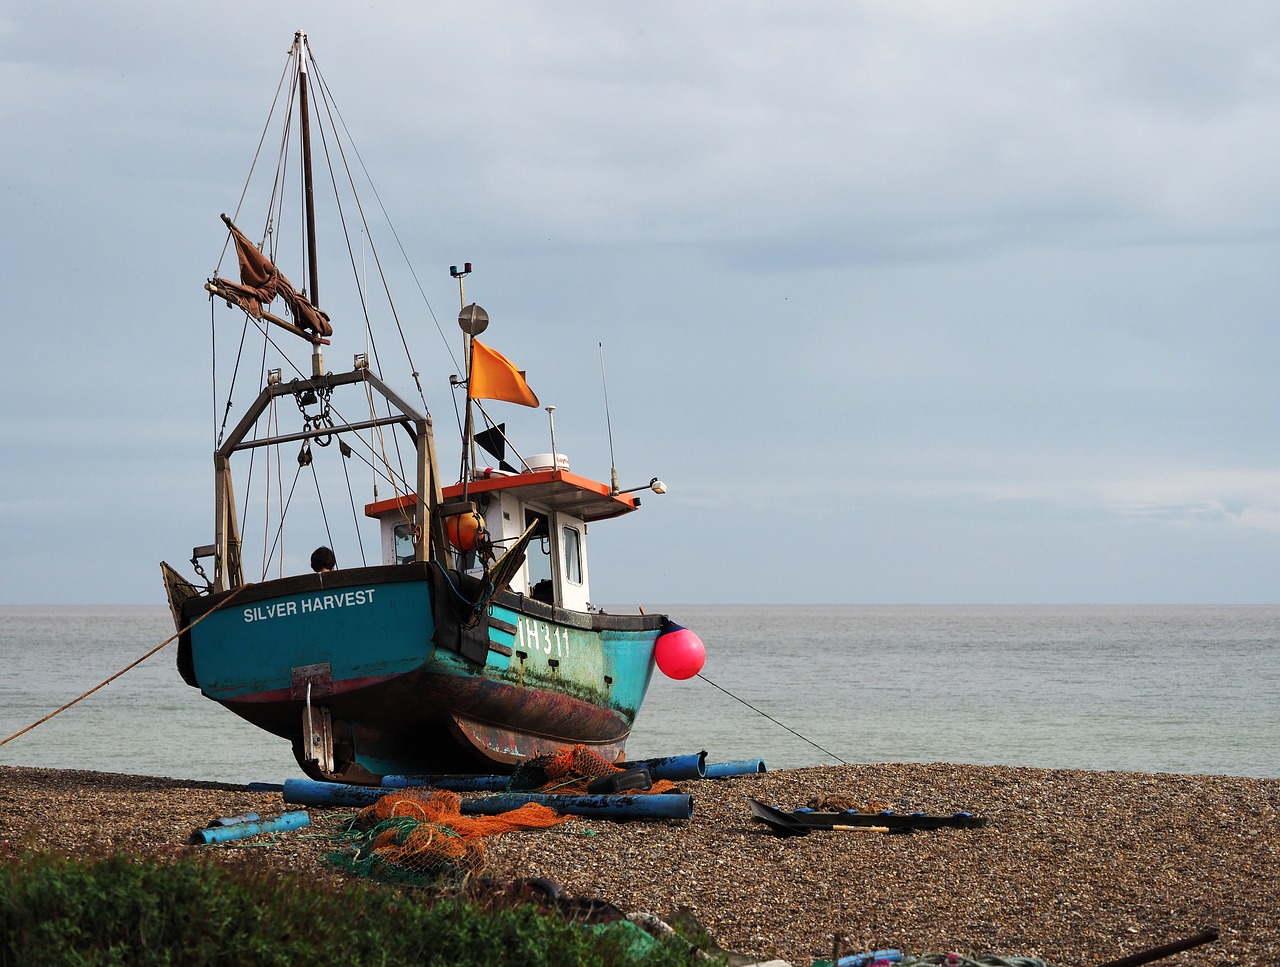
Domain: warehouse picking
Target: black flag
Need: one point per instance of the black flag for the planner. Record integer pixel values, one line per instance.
(494, 442)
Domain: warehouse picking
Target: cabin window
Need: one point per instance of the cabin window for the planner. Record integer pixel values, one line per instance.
(572, 555)
(538, 558)
(404, 549)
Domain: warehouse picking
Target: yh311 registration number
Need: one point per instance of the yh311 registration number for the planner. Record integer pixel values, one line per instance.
(546, 638)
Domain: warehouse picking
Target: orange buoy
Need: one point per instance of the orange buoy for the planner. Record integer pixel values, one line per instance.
(463, 530)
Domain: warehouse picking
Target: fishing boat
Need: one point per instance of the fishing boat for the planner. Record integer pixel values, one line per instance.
(465, 639)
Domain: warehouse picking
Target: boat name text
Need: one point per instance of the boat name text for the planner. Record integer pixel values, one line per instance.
(319, 602)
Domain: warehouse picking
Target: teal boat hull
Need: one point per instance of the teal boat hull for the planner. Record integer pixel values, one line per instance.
(392, 672)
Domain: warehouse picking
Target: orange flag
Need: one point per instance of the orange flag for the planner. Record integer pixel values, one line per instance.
(493, 377)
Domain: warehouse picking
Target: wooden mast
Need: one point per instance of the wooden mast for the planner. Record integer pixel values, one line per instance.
(308, 196)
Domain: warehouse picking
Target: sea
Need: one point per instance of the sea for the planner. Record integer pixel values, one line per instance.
(1172, 689)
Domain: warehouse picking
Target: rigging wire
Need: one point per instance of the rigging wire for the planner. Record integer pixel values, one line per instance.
(266, 503)
(213, 378)
(334, 112)
(235, 372)
(266, 128)
(493, 424)
(367, 236)
(326, 100)
(262, 371)
(379, 468)
(324, 515)
(336, 145)
(385, 468)
(382, 443)
(773, 720)
(284, 511)
(344, 452)
(275, 202)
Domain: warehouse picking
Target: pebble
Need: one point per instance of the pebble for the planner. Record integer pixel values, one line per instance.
(1073, 867)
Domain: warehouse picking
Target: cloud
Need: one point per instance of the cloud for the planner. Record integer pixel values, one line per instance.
(949, 275)
(1247, 499)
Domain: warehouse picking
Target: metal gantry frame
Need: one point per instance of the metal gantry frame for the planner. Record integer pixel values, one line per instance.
(228, 571)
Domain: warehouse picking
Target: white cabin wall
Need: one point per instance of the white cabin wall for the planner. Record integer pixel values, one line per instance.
(573, 595)
(387, 528)
(504, 517)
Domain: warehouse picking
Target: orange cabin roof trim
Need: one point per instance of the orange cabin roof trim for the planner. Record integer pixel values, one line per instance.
(559, 490)
(378, 508)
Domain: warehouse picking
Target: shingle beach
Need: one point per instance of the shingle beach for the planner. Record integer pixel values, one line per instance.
(1073, 867)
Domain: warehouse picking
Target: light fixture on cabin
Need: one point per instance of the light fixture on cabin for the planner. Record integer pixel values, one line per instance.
(656, 485)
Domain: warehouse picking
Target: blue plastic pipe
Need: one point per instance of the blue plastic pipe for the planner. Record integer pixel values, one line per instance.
(456, 783)
(673, 767)
(666, 805)
(742, 767)
(225, 834)
(307, 792)
(860, 960)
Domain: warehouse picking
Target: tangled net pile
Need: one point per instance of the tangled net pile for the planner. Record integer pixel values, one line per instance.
(570, 771)
(420, 836)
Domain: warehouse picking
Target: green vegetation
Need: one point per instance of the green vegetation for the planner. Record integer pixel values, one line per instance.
(193, 911)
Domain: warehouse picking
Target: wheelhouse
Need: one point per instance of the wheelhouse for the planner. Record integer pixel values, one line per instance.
(557, 503)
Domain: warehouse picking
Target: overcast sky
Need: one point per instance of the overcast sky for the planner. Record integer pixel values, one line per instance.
(906, 301)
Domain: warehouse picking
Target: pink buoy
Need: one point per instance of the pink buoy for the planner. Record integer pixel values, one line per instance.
(679, 653)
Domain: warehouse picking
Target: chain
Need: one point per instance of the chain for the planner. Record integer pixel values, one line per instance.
(323, 419)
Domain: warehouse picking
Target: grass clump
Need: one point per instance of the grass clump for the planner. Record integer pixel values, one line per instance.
(59, 912)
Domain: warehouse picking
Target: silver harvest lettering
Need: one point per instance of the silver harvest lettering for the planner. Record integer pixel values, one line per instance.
(319, 602)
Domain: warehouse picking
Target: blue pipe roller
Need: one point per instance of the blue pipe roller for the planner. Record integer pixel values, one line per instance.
(456, 783)
(673, 767)
(666, 805)
(307, 792)
(742, 767)
(225, 834)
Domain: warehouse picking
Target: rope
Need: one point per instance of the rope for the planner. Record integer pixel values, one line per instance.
(324, 514)
(332, 110)
(345, 452)
(474, 606)
(772, 719)
(128, 667)
(284, 510)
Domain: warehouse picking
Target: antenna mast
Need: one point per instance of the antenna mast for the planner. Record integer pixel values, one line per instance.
(472, 320)
(613, 466)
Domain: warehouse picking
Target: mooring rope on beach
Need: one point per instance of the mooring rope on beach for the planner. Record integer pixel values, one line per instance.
(134, 664)
(780, 725)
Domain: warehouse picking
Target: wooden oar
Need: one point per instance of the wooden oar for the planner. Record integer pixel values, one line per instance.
(783, 824)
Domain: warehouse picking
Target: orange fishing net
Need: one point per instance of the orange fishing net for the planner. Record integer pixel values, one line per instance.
(420, 835)
(571, 771)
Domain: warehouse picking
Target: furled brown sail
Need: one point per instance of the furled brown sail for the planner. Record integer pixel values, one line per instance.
(260, 283)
